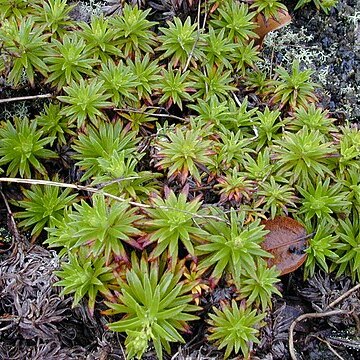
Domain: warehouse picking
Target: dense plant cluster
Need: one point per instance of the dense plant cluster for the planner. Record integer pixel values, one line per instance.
(184, 165)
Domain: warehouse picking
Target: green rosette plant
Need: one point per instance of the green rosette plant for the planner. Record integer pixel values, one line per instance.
(184, 153)
(119, 81)
(212, 111)
(324, 5)
(42, 206)
(15, 9)
(294, 88)
(175, 87)
(268, 127)
(147, 74)
(324, 201)
(236, 19)
(22, 147)
(231, 148)
(270, 9)
(25, 44)
(55, 125)
(104, 227)
(235, 187)
(246, 56)
(259, 168)
(85, 101)
(242, 117)
(60, 235)
(321, 249)
(53, 15)
(349, 149)
(212, 82)
(348, 248)
(156, 306)
(219, 50)
(235, 328)
(313, 117)
(277, 198)
(132, 31)
(232, 248)
(305, 155)
(181, 42)
(173, 221)
(69, 60)
(99, 38)
(118, 176)
(85, 276)
(259, 285)
(100, 144)
(351, 182)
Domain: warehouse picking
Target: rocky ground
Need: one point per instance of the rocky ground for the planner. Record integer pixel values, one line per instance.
(328, 44)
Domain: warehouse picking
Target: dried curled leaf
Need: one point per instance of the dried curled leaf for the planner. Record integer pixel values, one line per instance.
(286, 241)
(267, 25)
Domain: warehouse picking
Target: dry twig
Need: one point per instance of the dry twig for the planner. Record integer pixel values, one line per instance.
(197, 37)
(22, 98)
(308, 316)
(99, 191)
(137, 111)
(12, 226)
(318, 315)
(330, 348)
(344, 296)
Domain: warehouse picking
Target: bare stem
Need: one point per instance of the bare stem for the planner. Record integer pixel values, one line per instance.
(330, 348)
(11, 219)
(344, 296)
(308, 316)
(197, 37)
(136, 111)
(22, 98)
(99, 191)
(318, 315)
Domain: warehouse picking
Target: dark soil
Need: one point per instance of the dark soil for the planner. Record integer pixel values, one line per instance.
(36, 323)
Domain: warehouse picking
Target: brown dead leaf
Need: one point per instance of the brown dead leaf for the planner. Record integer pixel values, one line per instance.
(286, 241)
(266, 26)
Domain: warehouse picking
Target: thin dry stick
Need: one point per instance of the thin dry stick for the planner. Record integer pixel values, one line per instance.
(71, 186)
(308, 316)
(344, 296)
(330, 348)
(122, 350)
(317, 315)
(238, 102)
(272, 60)
(12, 318)
(357, 322)
(136, 111)
(110, 182)
(197, 37)
(22, 98)
(99, 191)
(11, 217)
(175, 356)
